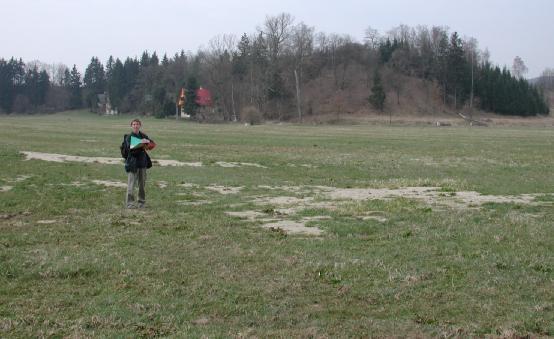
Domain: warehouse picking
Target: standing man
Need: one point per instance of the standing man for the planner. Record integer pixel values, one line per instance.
(136, 162)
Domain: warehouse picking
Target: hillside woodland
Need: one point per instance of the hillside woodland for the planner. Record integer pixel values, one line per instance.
(286, 71)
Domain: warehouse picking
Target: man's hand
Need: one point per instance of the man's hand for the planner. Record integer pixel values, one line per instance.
(145, 141)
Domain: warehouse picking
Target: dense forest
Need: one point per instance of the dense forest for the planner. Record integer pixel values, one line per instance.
(277, 72)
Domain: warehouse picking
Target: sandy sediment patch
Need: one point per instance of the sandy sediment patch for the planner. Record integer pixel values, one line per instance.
(224, 189)
(316, 218)
(74, 158)
(46, 222)
(98, 160)
(374, 217)
(430, 195)
(291, 189)
(277, 222)
(238, 164)
(109, 183)
(283, 201)
(21, 178)
(329, 198)
(74, 184)
(377, 193)
(118, 161)
(188, 185)
(287, 205)
(248, 215)
(17, 179)
(176, 163)
(293, 227)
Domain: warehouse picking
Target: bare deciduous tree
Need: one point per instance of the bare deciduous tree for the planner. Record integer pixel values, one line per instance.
(218, 59)
(371, 37)
(518, 68)
(302, 47)
(276, 31)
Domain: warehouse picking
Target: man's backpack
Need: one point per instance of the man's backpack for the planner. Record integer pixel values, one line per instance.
(124, 148)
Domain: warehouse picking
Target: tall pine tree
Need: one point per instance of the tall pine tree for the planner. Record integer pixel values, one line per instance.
(75, 94)
(190, 104)
(378, 96)
(94, 82)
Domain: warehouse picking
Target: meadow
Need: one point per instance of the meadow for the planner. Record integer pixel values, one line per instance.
(276, 230)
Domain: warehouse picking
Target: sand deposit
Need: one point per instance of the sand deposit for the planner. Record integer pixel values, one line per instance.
(238, 164)
(293, 227)
(109, 183)
(224, 189)
(98, 160)
(330, 198)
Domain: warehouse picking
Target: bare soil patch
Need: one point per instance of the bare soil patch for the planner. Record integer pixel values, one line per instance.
(46, 222)
(188, 185)
(98, 160)
(175, 163)
(329, 198)
(430, 195)
(293, 227)
(224, 189)
(248, 215)
(109, 183)
(74, 158)
(238, 164)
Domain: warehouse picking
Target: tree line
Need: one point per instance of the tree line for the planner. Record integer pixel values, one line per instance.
(268, 71)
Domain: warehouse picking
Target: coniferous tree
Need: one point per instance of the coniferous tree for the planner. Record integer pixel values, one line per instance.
(456, 69)
(144, 60)
(241, 59)
(441, 68)
(378, 96)
(31, 86)
(132, 72)
(190, 104)
(116, 84)
(94, 82)
(43, 86)
(66, 79)
(154, 60)
(12, 81)
(6, 87)
(75, 94)
(165, 60)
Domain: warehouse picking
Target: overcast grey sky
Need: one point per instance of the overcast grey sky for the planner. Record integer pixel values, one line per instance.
(72, 31)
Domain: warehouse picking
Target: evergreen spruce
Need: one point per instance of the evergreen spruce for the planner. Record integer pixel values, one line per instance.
(94, 83)
(75, 95)
(190, 103)
(378, 96)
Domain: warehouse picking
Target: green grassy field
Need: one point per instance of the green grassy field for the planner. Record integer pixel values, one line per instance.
(74, 262)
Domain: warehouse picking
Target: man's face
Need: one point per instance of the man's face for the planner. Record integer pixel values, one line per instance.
(135, 126)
